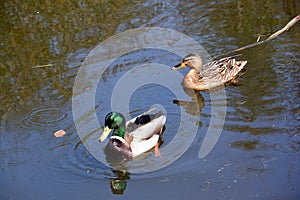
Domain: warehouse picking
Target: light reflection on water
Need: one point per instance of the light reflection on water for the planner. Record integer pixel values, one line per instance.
(259, 144)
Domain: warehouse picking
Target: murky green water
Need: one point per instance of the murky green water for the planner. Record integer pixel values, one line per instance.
(43, 45)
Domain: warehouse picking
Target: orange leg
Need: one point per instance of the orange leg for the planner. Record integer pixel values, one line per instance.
(234, 80)
(156, 150)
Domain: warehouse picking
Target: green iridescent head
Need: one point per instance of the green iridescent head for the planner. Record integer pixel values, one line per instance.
(113, 121)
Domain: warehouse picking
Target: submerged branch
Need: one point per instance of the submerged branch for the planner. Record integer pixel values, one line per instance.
(285, 28)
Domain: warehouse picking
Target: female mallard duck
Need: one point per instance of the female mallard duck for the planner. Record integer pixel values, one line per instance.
(137, 136)
(210, 75)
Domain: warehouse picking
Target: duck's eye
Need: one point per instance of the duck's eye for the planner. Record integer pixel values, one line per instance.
(188, 60)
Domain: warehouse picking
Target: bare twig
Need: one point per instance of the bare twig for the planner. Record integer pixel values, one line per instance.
(40, 66)
(286, 28)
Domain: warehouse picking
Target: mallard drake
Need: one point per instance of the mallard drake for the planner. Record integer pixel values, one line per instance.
(136, 136)
(210, 75)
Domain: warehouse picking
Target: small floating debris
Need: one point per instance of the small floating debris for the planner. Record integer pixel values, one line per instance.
(220, 169)
(59, 133)
(164, 180)
(40, 66)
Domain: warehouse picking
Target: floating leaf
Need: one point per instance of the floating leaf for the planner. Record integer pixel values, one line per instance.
(59, 133)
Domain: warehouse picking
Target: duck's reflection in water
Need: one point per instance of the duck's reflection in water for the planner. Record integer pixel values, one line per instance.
(194, 106)
(117, 162)
(118, 184)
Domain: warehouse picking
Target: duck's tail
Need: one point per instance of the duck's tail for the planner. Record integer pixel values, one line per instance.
(230, 68)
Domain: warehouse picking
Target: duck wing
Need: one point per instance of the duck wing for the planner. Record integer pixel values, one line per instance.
(144, 119)
(138, 147)
(227, 67)
(220, 71)
(145, 131)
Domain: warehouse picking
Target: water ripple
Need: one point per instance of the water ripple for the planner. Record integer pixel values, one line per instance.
(41, 117)
(13, 156)
(71, 156)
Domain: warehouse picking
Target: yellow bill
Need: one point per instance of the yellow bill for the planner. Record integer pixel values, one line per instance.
(180, 65)
(104, 134)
